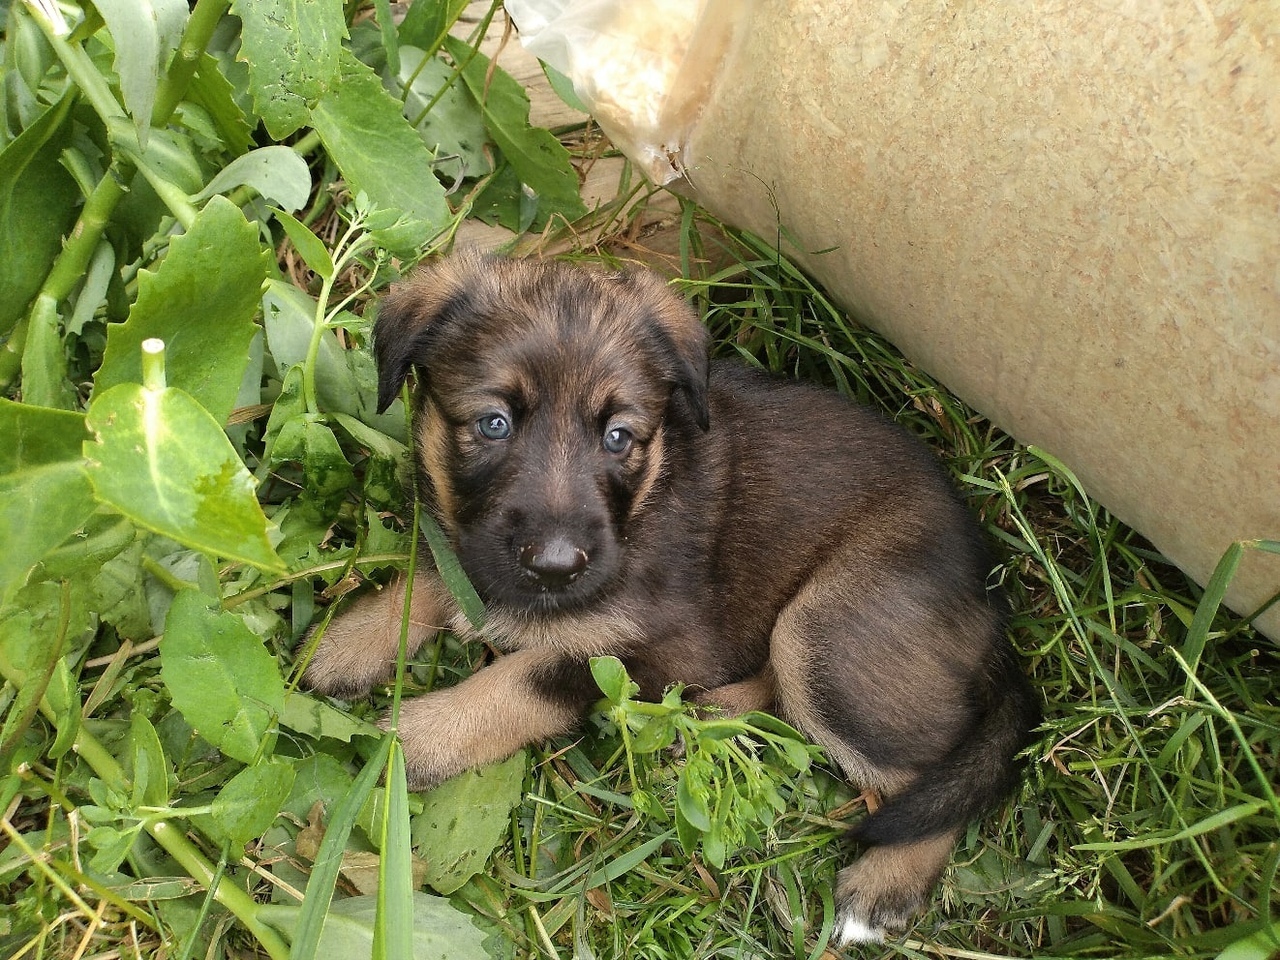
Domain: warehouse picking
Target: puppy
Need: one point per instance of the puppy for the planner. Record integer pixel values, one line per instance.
(610, 491)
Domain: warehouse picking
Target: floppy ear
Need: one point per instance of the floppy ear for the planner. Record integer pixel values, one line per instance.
(684, 339)
(411, 315)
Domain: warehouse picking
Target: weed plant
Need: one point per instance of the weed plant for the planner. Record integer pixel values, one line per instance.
(176, 517)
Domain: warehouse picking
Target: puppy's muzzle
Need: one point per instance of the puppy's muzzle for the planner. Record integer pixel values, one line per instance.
(555, 563)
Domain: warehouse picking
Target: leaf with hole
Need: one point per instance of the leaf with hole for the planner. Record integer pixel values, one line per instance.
(464, 819)
(292, 50)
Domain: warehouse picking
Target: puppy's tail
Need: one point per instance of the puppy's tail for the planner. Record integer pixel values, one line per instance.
(979, 774)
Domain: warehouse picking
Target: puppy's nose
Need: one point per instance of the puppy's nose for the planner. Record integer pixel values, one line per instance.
(555, 563)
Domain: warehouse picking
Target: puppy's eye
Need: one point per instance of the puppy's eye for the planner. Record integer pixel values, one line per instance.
(494, 426)
(618, 441)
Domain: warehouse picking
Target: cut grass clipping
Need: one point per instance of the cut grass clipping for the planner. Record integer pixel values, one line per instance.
(174, 519)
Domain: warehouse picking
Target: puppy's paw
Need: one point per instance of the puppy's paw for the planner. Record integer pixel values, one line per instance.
(441, 736)
(358, 649)
(882, 891)
(867, 912)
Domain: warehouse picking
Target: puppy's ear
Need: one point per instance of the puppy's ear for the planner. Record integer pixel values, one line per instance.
(411, 315)
(685, 340)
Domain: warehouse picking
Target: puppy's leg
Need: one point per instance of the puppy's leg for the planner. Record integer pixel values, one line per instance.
(887, 885)
(895, 678)
(520, 698)
(359, 647)
(754, 693)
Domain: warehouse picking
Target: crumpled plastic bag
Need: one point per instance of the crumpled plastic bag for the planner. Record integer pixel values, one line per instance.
(645, 68)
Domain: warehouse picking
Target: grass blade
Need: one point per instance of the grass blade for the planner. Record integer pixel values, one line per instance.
(324, 873)
(393, 929)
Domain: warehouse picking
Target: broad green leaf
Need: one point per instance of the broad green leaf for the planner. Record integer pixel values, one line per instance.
(38, 203)
(120, 594)
(375, 441)
(222, 679)
(251, 800)
(346, 380)
(318, 778)
(503, 201)
(453, 130)
(32, 436)
(292, 49)
(276, 172)
(326, 475)
(611, 677)
(112, 847)
(440, 930)
(34, 635)
(465, 819)
(537, 156)
(289, 317)
(44, 493)
(367, 136)
(39, 510)
(692, 801)
(210, 89)
(201, 301)
(315, 718)
(146, 767)
(312, 248)
(145, 34)
(427, 22)
(563, 87)
(160, 459)
(1261, 944)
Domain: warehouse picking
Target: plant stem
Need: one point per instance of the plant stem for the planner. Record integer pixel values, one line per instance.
(172, 839)
(101, 203)
(69, 268)
(204, 19)
(153, 363)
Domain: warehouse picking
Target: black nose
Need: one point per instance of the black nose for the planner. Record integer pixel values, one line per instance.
(555, 563)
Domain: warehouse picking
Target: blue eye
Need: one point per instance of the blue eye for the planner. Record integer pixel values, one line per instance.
(494, 426)
(618, 441)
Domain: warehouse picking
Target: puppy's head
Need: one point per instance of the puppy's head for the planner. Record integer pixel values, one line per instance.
(544, 395)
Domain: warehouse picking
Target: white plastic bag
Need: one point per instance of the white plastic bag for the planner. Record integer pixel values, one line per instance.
(644, 67)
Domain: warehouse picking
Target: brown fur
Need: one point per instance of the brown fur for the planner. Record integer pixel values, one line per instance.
(767, 544)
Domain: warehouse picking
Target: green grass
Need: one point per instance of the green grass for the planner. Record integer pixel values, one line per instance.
(179, 799)
(1148, 824)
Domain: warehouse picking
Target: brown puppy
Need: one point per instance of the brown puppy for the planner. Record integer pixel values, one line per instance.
(768, 544)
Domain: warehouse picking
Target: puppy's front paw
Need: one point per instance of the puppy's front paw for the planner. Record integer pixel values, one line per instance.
(440, 735)
(485, 718)
(358, 649)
